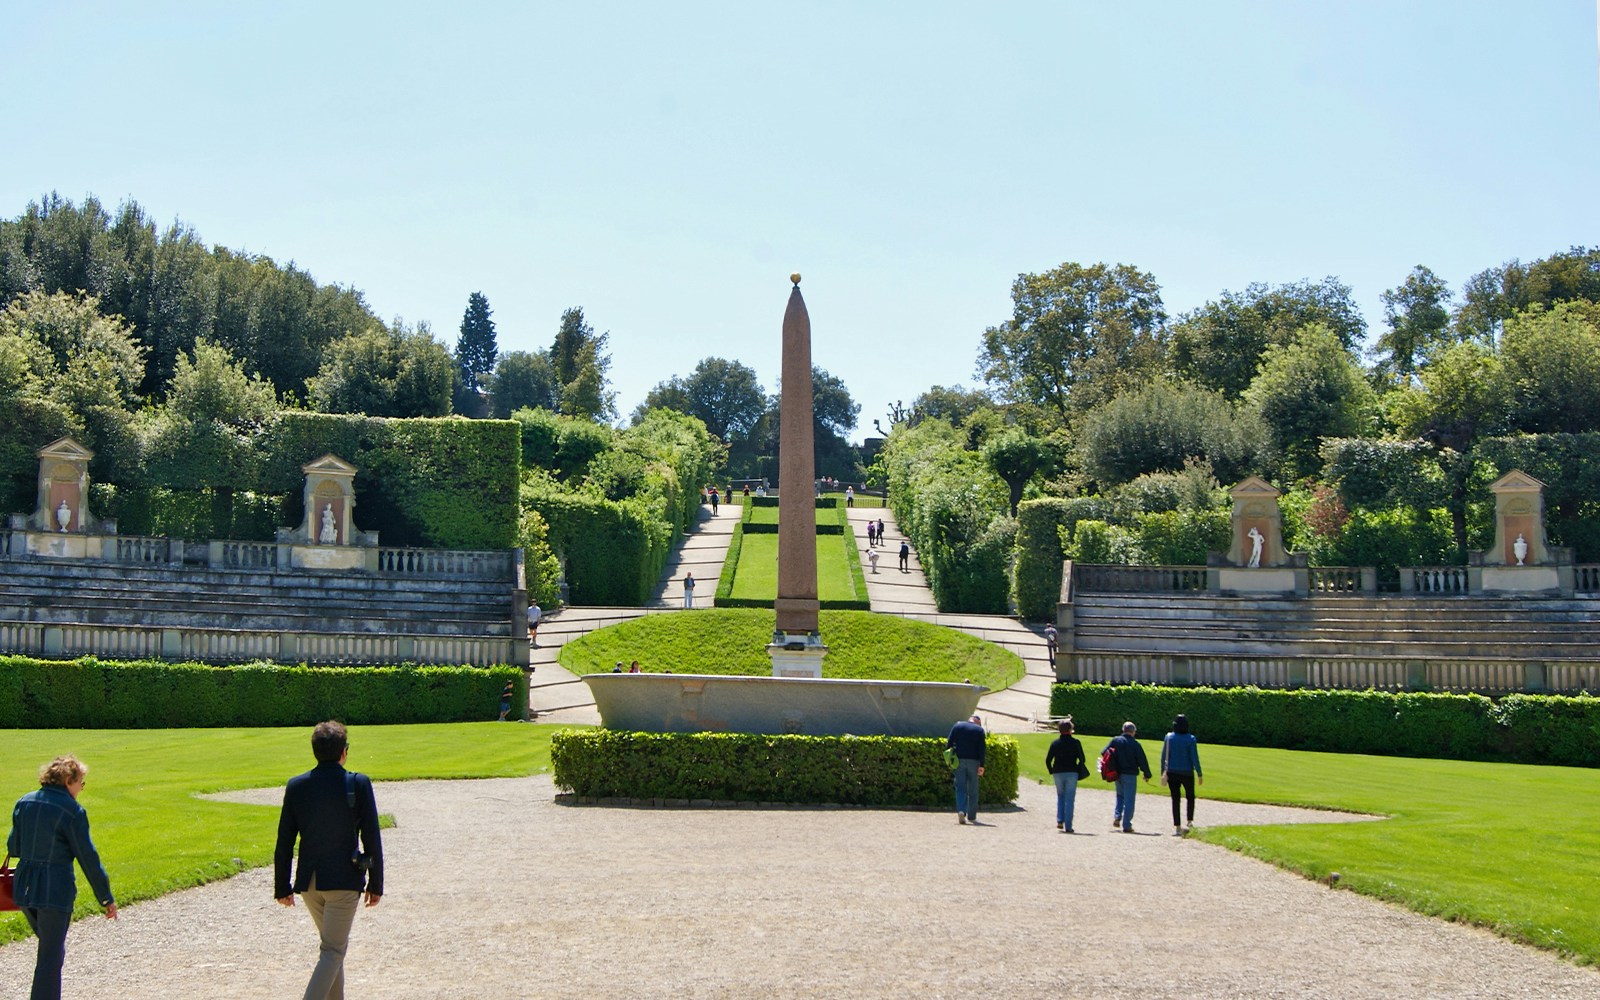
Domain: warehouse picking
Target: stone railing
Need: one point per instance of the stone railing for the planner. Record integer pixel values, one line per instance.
(1586, 578)
(1435, 580)
(1102, 578)
(1484, 676)
(245, 555)
(1342, 579)
(478, 565)
(241, 646)
(147, 551)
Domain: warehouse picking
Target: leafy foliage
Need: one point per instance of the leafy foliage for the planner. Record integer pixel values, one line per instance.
(1161, 426)
(1306, 391)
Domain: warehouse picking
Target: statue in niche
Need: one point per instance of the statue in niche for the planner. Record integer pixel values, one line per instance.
(63, 515)
(1256, 540)
(1519, 548)
(329, 533)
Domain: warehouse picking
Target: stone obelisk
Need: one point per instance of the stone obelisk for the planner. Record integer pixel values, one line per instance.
(797, 648)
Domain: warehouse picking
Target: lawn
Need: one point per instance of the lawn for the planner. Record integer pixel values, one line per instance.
(1511, 847)
(733, 641)
(769, 515)
(756, 575)
(155, 837)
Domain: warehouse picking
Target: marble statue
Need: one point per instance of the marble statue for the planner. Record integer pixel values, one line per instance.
(1256, 540)
(63, 515)
(1520, 549)
(330, 533)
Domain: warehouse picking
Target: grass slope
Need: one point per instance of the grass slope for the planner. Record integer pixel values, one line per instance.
(756, 577)
(1511, 847)
(733, 641)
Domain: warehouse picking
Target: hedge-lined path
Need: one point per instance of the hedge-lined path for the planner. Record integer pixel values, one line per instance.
(894, 592)
(496, 889)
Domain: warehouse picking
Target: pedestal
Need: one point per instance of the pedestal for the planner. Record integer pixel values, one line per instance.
(797, 655)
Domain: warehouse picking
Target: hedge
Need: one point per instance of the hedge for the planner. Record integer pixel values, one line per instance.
(749, 767)
(1532, 729)
(613, 551)
(1036, 573)
(96, 694)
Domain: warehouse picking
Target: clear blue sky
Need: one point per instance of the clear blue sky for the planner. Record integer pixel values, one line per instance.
(665, 166)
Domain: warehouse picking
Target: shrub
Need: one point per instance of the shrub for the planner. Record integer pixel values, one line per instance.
(749, 767)
(1036, 569)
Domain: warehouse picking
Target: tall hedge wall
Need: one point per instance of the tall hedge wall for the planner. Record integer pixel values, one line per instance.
(1036, 572)
(613, 551)
(1534, 729)
(437, 482)
(96, 694)
(747, 767)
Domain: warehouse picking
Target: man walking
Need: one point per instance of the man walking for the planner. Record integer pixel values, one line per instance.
(970, 743)
(1130, 761)
(905, 556)
(688, 591)
(326, 808)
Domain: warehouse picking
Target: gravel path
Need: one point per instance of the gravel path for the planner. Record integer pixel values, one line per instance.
(498, 890)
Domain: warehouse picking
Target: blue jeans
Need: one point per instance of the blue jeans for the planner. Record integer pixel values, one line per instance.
(51, 927)
(1066, 796)
(966, 777)
(1127, 789)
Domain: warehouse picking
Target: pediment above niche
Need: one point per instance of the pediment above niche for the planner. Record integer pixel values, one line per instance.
(1515, 481)
(65, 449)
(329, 464)
(1252, 487)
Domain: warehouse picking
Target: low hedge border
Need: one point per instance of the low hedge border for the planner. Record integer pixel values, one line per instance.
(752, 767)
(93, 694)
(1525, 728)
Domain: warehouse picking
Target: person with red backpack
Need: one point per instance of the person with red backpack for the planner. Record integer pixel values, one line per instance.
(1128, 761)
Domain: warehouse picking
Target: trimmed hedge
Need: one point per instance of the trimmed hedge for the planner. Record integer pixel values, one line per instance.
(1036, 573)
(1531, 729)
(96, 694)
(750, 767)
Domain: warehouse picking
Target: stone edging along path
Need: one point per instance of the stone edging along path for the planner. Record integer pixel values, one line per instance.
(497, 889)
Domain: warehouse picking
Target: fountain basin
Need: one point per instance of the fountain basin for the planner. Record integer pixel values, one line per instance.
(694, 703)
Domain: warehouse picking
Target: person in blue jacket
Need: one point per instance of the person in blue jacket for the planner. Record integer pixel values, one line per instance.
(49, 831)
(1180, 766)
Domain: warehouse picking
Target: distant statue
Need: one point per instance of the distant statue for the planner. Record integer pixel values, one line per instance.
(1256, 540)
(330, 533)
(63, 515)
(1520, 548)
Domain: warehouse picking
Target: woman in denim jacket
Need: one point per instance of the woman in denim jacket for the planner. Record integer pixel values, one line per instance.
(1180, 766)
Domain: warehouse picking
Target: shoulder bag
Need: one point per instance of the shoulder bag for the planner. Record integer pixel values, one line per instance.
(8, 881)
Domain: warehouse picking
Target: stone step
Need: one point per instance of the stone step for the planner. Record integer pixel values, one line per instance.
(1421, 649)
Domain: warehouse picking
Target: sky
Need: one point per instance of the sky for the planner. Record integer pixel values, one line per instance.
(666, 166)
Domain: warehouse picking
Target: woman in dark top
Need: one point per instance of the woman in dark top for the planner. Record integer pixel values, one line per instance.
(1180, 766)
(49, 830)
(1064, 760)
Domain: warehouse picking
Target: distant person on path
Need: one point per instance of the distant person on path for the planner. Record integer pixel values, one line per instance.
(633, 667)
(618, 668)
(714, 499)
(872, 533)
(872, 560)
(505, 699)
(1130, 761)
(1064, 760)
(1051, 642)
(970, 743)
(534, 614)
(49, 831)
(1180, 767)
(688, 591)
(326, 809)
(905, 556)
(880, 531)
(747, 491)
(849, 496)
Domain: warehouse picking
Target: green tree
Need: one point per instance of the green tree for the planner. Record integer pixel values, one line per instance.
(1076, 335)
(1016, 457)
(1307, 390)
(1461, 398)
(949, 402)
(385, 372)
(1418, 321)
(1163, 426)
(725, 395)
(1491, 297)
(1220, 345)
(1550, 359)
(522, 380)
(475, 348)
(580, 363)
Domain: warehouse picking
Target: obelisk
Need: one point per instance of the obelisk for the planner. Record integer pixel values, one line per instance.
(796, 648)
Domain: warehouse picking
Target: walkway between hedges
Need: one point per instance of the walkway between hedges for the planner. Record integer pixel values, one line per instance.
(559, 696)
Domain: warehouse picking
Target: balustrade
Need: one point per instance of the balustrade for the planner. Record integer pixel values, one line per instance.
(1586, 578)
(1437, 579)
(149, 551)
(1103, 578)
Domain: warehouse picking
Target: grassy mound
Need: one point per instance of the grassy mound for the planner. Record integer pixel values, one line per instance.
(861, 645)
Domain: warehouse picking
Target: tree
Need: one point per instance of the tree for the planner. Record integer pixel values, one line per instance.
(725, 395)
(1220, 345)
(1307, 390)
(1550, 360)
(1491, 297)
(385, 372)
(1075, 336)
(521, 380)
(949, 402)
(1017, 456)
(580, 363)
(1462, 397)
(1418, 323)
(1163, 426)
(475, 348)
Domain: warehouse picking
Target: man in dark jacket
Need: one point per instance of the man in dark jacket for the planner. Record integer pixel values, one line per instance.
(325, 808)
(970, 743)
(1130, 761)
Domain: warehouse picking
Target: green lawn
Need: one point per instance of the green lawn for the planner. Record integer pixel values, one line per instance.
(156, 837)
(769, 515)
(733, 641)
(756, 575)
(1512, 847)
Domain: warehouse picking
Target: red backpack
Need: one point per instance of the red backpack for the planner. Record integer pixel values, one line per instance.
(1108, 763)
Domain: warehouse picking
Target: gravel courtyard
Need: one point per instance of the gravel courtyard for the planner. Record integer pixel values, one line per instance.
(495, 889)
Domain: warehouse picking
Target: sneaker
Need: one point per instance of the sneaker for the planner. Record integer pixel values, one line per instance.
(1061, 826)
(1116, 824)
(1177, 831)
(1191, 826)
(1127, 829)
(961, 818)
(1067, 830)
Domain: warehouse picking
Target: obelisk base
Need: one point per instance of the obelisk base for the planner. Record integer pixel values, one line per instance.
(797, 655)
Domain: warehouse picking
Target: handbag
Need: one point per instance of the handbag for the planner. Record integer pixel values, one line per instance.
(950, 758)
(8, 881)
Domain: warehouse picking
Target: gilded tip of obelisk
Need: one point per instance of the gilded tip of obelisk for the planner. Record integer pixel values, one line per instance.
(795, 277)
